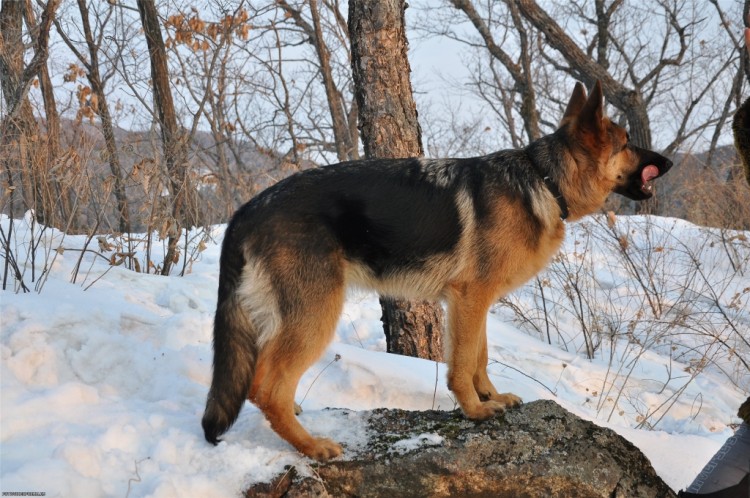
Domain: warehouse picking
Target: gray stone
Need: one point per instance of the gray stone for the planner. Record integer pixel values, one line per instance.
(537, 450)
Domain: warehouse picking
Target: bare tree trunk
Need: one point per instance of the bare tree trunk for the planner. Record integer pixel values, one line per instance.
(389, 128)
(345, 145)
(19, 129)
(627, 100)
(16, 79)
(413, 328)
(184, 206)
(50, 106)
(62, 193)
(520, 71)
(18, 124)
(102, 109)
(215, 121)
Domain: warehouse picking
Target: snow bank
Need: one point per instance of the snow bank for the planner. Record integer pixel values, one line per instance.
(104, 383)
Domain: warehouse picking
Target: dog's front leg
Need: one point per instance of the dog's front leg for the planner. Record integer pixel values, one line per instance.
(482, 383)
(467, 315)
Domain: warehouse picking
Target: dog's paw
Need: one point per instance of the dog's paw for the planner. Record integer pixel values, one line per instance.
(322, 449)
(510, 400)
(484, 410)
(492, 407)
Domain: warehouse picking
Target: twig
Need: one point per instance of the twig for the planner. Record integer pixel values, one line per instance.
(10, 258)
(97, 278)
(525, 375)
(434, 392)
(89, 238)
(335, 359)
(137, 477)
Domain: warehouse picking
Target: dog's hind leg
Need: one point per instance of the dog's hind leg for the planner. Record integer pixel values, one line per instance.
(467, 314)
(298, 344)
(482, 383)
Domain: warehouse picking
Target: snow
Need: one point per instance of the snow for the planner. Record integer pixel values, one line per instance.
(403, 446)
(104, 380)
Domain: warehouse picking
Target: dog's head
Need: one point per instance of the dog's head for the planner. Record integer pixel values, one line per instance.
(606, 160)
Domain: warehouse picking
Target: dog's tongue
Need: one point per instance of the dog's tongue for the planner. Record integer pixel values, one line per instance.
(649, 173)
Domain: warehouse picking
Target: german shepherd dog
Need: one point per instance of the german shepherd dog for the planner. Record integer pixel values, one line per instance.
(464, 231)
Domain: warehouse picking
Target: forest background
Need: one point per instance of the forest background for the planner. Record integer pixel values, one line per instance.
(122, 124)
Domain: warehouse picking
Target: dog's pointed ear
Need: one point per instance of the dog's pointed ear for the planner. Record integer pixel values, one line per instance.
(576, 102)
(592, 113)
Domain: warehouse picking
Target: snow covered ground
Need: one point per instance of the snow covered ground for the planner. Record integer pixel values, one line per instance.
(104, 380)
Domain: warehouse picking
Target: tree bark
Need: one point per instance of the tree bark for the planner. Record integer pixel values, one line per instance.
(180, 188)
(17, 79)
(18, 125)
(413, 328)
(389, 128)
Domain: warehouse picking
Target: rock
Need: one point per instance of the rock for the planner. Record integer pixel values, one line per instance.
(537, 450)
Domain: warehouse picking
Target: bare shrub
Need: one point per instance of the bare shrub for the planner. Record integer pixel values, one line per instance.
(625, 286)
(716, 197)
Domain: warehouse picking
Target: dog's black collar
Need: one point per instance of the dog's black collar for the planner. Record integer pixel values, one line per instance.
(554, 188)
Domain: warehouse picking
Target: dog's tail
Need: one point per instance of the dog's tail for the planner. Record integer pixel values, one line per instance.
(235, 347)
